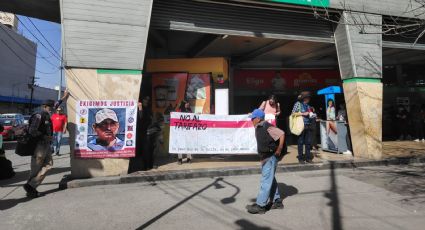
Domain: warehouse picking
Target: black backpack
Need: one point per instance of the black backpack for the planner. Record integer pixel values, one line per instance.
(265, 143)
(6, 169)
(26, 144)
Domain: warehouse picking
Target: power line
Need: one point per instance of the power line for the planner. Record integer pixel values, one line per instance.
(23, 24)
(22, 60)
(42, 35)
(20, 45)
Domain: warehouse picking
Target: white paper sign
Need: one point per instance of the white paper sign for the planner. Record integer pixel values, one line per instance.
(211, 134)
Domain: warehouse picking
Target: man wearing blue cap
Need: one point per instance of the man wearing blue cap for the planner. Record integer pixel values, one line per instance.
(269, 146)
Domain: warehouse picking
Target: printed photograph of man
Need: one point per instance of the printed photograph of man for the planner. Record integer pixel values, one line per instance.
(106, 127)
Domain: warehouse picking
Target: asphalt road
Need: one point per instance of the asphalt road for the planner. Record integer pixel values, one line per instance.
(387, 198)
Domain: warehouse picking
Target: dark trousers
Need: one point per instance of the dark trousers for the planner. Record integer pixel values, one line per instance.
(419, 129)
(348, 138)
(304, 139)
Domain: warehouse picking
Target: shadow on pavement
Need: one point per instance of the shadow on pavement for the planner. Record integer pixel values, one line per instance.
(248, 225)
(215, 183)
(285, 191)
(23, 175)
(332, 195)
(10, 203)
(231, 199)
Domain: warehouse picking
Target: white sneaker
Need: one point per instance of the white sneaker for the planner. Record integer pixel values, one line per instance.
(417, 140)
(423, 140)
(348, 152)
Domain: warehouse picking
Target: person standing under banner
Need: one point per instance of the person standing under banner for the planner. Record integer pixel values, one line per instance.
(271, 108)
(59, 121)
(184, 107)
(303, 108)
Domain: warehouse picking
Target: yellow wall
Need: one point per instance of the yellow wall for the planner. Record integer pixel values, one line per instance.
(191, 65)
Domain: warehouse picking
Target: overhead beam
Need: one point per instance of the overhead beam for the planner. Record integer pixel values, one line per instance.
(312, 54)
(403, 45)
(260, 51)
(42, 9)
(157, 38)
(203, 44)
(404, 59)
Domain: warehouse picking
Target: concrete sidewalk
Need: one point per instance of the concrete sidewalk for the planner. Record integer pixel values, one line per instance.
(232, 165)
(210, 166)
(394, 149)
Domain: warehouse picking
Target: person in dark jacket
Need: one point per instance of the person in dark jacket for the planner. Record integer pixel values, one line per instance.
(184, 107)
(41, 130)
(270, 154)
(144, 120)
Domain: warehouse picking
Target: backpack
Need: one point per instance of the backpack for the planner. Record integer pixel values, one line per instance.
(265, 143)
(6, 169)
(26, 144)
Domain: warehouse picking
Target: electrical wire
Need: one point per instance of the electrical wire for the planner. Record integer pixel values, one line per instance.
(23, 61)
(42, 35)
(20, 44)
(23, 24)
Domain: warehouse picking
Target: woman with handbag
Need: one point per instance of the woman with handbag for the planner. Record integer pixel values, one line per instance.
(303, 109)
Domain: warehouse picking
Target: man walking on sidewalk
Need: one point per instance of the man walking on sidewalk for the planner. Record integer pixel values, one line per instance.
(41, 130)
(59, 121)
(270, 153)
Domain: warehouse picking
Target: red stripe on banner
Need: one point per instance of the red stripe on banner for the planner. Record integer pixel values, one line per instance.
(210, 124)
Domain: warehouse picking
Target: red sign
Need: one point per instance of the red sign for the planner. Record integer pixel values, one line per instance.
(286, 79)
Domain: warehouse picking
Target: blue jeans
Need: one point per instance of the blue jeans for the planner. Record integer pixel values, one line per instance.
(57, 138)
(268, 187)
(304, 139)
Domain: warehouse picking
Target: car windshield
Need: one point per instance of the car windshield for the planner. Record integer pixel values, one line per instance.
(6, 122)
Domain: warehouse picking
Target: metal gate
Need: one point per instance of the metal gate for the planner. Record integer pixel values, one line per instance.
(240, 20)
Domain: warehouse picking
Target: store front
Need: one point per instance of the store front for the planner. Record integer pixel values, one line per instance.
(240, 52)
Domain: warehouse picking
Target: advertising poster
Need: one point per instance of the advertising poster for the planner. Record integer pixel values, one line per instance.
(168, 90)
(211, 134)
(329, 136)
(106, 129)
(198, 92)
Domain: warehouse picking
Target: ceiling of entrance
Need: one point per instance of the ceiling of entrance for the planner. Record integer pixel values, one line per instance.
(255, 52)
(242, 51)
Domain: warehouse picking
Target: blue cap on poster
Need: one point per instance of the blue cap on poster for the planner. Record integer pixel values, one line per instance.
(257, 113)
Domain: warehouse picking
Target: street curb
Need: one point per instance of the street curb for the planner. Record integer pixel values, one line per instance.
(234, 171)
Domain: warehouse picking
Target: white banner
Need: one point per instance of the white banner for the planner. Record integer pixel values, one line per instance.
(211, 134)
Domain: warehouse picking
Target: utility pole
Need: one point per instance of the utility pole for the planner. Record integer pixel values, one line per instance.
(31, 86)
(61, 69)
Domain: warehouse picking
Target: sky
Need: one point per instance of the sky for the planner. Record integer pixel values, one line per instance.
(46, 62)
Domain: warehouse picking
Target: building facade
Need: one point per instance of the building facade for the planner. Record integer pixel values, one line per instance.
(151, 36)
(17, 69)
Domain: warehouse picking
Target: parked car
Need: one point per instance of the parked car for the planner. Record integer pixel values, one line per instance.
(12, 115)
(13, 127)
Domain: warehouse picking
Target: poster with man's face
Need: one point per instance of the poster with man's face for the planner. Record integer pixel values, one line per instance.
(105, 129)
